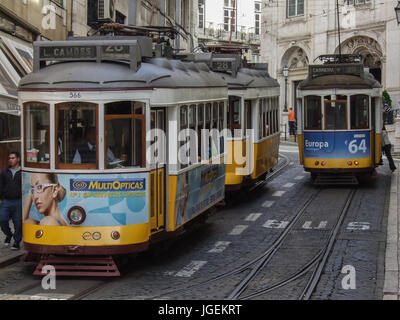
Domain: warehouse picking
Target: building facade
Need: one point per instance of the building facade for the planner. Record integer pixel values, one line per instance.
(21, 23)
(236, 22)
(180, 14)
(296, 32)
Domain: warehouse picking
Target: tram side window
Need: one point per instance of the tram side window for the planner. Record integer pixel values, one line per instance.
(77, 134)
(200, 126)
(37, 146)
(276, 101)
(234, 116)
(359, 112)
(221, 120)
(184, 152)
(312, 113)
(124, 134)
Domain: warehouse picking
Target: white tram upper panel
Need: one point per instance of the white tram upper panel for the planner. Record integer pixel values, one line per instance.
(91, 69)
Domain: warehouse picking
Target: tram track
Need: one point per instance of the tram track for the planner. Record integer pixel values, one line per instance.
(254, 267)
(314, 265)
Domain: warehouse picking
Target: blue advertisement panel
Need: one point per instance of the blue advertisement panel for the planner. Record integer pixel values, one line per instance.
(337, 145)
(108, 199)
(197, 190)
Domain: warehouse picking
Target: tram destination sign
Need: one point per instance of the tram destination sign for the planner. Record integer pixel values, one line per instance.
(343, 69)
(84, 52)
(68, 52)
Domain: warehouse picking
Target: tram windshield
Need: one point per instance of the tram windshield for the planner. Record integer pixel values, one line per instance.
(335, 113)
(36, 130)
(359, 112)
(76, 128)
(312, 113)
(124, 134)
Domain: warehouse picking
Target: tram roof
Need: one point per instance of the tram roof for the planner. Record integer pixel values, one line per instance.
(340, 76)
(250, 78)
(154, 73)
(237, 73)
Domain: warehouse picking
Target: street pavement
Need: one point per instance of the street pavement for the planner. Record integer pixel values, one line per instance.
(391, 289)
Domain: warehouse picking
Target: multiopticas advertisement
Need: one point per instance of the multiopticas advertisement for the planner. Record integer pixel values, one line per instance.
(108, 200)
(337, 145)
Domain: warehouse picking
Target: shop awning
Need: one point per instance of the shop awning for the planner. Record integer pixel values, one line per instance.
(16, 60)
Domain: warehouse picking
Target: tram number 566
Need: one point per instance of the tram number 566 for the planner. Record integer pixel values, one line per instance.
(354, 147)
(75, 95)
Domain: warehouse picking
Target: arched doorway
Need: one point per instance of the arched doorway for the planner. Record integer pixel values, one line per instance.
(369, 49)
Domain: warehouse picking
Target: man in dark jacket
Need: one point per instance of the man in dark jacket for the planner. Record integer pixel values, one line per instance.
(11, 207)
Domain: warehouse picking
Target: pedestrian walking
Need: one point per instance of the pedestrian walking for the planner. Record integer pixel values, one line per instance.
(292, 122)
(386, 147)
(11, 207)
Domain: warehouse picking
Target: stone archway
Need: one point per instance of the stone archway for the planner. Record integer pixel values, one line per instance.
(369, 49)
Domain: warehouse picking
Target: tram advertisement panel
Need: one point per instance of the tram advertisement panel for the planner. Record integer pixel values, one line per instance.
(337, 145)
(107, 199)
(197, 190)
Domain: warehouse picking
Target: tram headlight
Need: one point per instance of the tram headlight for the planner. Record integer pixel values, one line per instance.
(356, 163)
(349, 163)
(115, 235)
(323, 163)
(39, 234)
(76, 215)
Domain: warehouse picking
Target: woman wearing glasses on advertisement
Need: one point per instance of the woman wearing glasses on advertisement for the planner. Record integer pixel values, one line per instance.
(45, 192)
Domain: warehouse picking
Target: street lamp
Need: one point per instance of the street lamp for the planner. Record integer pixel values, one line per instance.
(397, 10)
(285, 74)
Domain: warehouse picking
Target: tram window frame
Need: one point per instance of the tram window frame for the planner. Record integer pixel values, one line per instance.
(248, 124)
(37, 164)
(326, 102)
(353, 111)
(137, 149)
(318, 99)
(70, 165)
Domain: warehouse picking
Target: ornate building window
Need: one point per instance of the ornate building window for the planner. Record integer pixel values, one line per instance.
(295, 8)
(257, 15)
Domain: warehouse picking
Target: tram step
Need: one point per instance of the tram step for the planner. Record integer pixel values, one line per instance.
(99, 266)
(336, 180)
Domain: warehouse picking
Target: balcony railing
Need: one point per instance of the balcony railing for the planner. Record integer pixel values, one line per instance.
(241, 34)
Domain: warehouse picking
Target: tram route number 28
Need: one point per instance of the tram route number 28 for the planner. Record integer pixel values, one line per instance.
(354, 146)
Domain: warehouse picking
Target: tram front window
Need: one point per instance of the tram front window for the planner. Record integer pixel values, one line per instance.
(312, 113)
(36, 130)
(335, 115)
(76, 128)
(124, 135)
(359, 112)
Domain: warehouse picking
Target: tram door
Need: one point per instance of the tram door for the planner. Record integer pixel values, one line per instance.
(157, 175)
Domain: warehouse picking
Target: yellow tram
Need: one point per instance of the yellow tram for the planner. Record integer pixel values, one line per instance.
(340, 125)
(109, 166)
(252, 117)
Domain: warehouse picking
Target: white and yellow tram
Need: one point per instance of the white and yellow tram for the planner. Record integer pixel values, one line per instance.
(105, 182)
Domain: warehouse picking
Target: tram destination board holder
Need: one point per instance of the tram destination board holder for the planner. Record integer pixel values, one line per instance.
(336, 69)
(131, 51)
